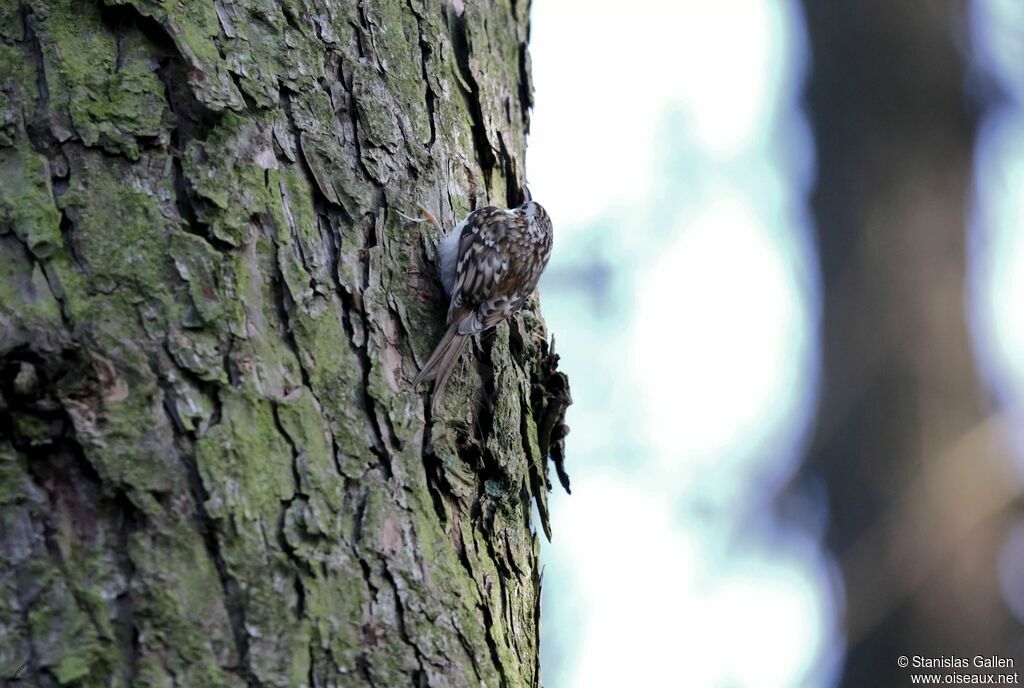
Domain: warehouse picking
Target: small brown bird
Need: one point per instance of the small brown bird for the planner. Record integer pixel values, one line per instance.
(490, 264)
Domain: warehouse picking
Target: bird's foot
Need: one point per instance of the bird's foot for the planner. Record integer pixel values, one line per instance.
(429, 217)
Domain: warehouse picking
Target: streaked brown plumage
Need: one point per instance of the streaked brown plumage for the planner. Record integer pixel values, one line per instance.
(490, 264)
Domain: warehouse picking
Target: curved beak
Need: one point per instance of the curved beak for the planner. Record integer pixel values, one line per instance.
(526, 194)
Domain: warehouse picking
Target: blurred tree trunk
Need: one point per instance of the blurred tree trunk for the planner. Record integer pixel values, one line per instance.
(917, 501)
(212, 469)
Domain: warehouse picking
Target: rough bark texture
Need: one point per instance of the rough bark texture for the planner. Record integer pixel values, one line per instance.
(919, 496)
(212, 469)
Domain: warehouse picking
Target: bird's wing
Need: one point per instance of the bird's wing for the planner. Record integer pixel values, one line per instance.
(499, 307)
(481, 264)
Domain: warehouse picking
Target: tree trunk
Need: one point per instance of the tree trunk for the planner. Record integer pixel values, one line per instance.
(213, 471)
(919, 496)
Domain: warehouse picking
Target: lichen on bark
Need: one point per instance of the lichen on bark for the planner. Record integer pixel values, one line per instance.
(213, 470)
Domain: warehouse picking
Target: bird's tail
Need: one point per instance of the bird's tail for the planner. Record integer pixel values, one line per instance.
(442, 362)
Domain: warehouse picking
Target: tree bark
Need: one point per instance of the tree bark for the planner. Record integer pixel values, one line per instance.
(214, 471)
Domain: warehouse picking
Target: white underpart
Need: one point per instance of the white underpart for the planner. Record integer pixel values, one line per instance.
(449, 255)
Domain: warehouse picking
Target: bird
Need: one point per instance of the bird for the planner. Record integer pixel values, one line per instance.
(489, 265)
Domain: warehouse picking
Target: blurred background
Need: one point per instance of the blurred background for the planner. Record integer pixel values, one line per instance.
(788, 288)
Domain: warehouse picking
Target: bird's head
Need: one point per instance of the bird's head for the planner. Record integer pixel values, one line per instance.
(538, 218)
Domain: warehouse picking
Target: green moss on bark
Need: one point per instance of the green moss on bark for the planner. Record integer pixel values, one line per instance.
(26, 200)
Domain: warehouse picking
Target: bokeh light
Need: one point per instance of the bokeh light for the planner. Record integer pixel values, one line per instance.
(669, 147)
(997, 225)
(997, 242)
